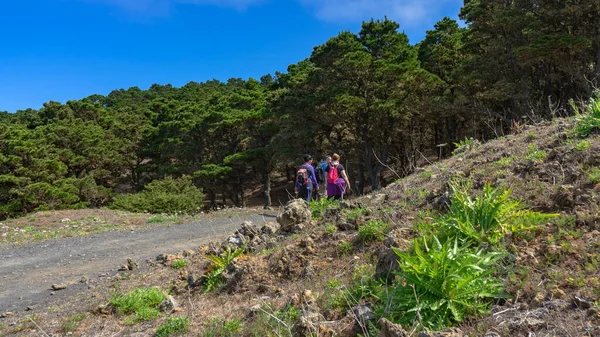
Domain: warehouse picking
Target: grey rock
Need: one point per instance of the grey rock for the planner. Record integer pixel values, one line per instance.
(132, 265)
(296, 216)
(582, 302)
(389, 329)
(249, 229)
(270, 228)
(7, 314)
(387, 263)
(59, 286)
(168, 304)
(362, 314)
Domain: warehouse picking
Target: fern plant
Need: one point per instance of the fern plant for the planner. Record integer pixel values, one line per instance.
(442, 284)
(486, 218)
(218, 264)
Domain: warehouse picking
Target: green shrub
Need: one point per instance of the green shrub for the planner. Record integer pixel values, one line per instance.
(354, 213)
(330, 229)
(214, 277)
(158, 219)
(442, 284)
(487, 217)
(173, 326)
(363, 286)
(141, 302)
(169, 196)
(588, 121)
(72, 323)
(373, 230)
(583, 145)
(504, 162)
(593, 175)
(535, 154)
(270, 322)
(318, 207)
(178, 264)
(345, 248)
(465, 145)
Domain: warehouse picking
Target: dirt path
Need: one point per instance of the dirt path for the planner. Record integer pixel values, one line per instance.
(27, 273)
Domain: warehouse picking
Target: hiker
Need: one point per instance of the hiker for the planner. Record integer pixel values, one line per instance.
(337, 180)
(305, 179)
(321, 175)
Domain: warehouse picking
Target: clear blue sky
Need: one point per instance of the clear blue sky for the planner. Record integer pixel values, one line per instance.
(69, 49)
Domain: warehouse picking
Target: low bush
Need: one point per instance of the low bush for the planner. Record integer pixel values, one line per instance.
(374, 230)
(169, 196)
(173, 326)
(318, 207)
(589, 120)
(142, 303)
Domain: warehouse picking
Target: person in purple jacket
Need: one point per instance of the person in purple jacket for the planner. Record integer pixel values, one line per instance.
(306, 181)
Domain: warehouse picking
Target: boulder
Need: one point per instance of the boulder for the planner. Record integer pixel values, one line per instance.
(363, 314)
(296, 216)
(233, 276)
(387, 264)
(168, 304)
(389, 329)
(270, 228)
(249, 229)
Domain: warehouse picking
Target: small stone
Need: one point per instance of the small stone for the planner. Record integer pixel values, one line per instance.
(29, 308)
(188, 253)
(59, 286)
(582, 303)
(558, 293)
(168, 304)
(7, 314)
(52, 293)
(363, 313)
(132, 265)
(84, 279)
(104, 309)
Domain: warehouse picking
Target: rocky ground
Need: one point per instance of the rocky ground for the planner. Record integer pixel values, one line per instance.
(312, 274)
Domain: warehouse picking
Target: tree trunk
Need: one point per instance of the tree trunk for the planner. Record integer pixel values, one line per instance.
(213, 199)
(267, 182)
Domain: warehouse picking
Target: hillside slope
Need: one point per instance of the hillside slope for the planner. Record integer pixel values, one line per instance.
(317, 280)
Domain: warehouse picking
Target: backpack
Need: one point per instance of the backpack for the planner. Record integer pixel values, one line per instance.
(333, 174)
(320, 173)
(302, 175)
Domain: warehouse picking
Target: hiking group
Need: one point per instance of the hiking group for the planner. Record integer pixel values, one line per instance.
(329, 171)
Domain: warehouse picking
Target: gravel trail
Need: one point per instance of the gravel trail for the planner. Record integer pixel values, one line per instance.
(28, 272)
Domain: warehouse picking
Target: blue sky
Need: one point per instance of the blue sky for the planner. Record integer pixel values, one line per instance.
(69, 49)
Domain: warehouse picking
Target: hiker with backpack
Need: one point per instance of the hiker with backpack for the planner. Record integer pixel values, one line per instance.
(306, 179)
(321, 175)
(337, 180)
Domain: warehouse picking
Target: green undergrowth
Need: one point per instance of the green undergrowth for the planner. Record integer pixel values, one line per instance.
(318, 207)
(218, 265)
(588, 121)
(455, 268)
(173, 326)
(141, 304)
